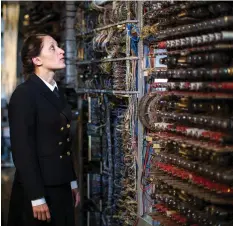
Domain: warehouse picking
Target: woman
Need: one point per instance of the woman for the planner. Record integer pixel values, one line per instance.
(44, 188)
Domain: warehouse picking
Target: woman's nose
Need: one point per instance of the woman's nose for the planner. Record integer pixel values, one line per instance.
(61, 51)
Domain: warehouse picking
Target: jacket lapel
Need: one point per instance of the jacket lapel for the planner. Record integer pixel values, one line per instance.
(66, 111)
(58, 103)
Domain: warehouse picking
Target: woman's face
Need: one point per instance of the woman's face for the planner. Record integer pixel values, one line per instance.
(51, 56)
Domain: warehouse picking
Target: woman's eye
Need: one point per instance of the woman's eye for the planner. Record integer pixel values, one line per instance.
(52, 47)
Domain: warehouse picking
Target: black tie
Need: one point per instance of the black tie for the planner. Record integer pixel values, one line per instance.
(55, 91)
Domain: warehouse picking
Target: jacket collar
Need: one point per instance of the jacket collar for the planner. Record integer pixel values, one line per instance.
(58, 103)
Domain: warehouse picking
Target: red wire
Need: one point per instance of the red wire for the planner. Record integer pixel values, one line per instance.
(136, 222)
(146, 156)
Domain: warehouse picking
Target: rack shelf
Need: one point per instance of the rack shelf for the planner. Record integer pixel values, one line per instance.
(106, 60)
(80, 91)
(106, 27)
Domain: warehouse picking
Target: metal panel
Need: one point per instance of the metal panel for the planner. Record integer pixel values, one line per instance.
(143, 222)
(70, 43)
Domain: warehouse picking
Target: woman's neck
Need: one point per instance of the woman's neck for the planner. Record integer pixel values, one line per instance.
(48, 76)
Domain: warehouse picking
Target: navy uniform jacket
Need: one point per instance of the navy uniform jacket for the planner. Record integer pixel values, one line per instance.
(40, 137)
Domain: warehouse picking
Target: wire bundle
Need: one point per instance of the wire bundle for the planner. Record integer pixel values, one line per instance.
(118, 113)
(124, 203)
(108, 41)
(119, 72)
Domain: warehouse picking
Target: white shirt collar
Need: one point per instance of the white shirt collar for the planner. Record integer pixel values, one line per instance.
(51, 87)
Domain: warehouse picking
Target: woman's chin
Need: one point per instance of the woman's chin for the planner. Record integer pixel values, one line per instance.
(62, 66)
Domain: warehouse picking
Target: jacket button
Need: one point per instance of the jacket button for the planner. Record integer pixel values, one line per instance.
(62, 128)
(68, 153)
(68, 139)
(60, 156)
(68, 125)
(60, 143)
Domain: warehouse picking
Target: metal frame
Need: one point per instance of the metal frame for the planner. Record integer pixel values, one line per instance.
(141, 93)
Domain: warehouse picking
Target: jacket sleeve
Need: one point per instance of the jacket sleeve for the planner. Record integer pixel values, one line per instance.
(22, 122)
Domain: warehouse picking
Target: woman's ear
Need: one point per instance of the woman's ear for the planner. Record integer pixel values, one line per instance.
(37, 61)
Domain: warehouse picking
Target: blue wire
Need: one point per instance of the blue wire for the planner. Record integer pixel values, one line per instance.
(134, 39)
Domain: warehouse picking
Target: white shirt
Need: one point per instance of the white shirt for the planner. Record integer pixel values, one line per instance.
(73, 184)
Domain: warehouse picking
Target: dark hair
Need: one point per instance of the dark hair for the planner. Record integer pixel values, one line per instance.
(31, 48)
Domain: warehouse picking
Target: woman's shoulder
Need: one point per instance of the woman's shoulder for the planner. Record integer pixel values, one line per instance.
(23, 91)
